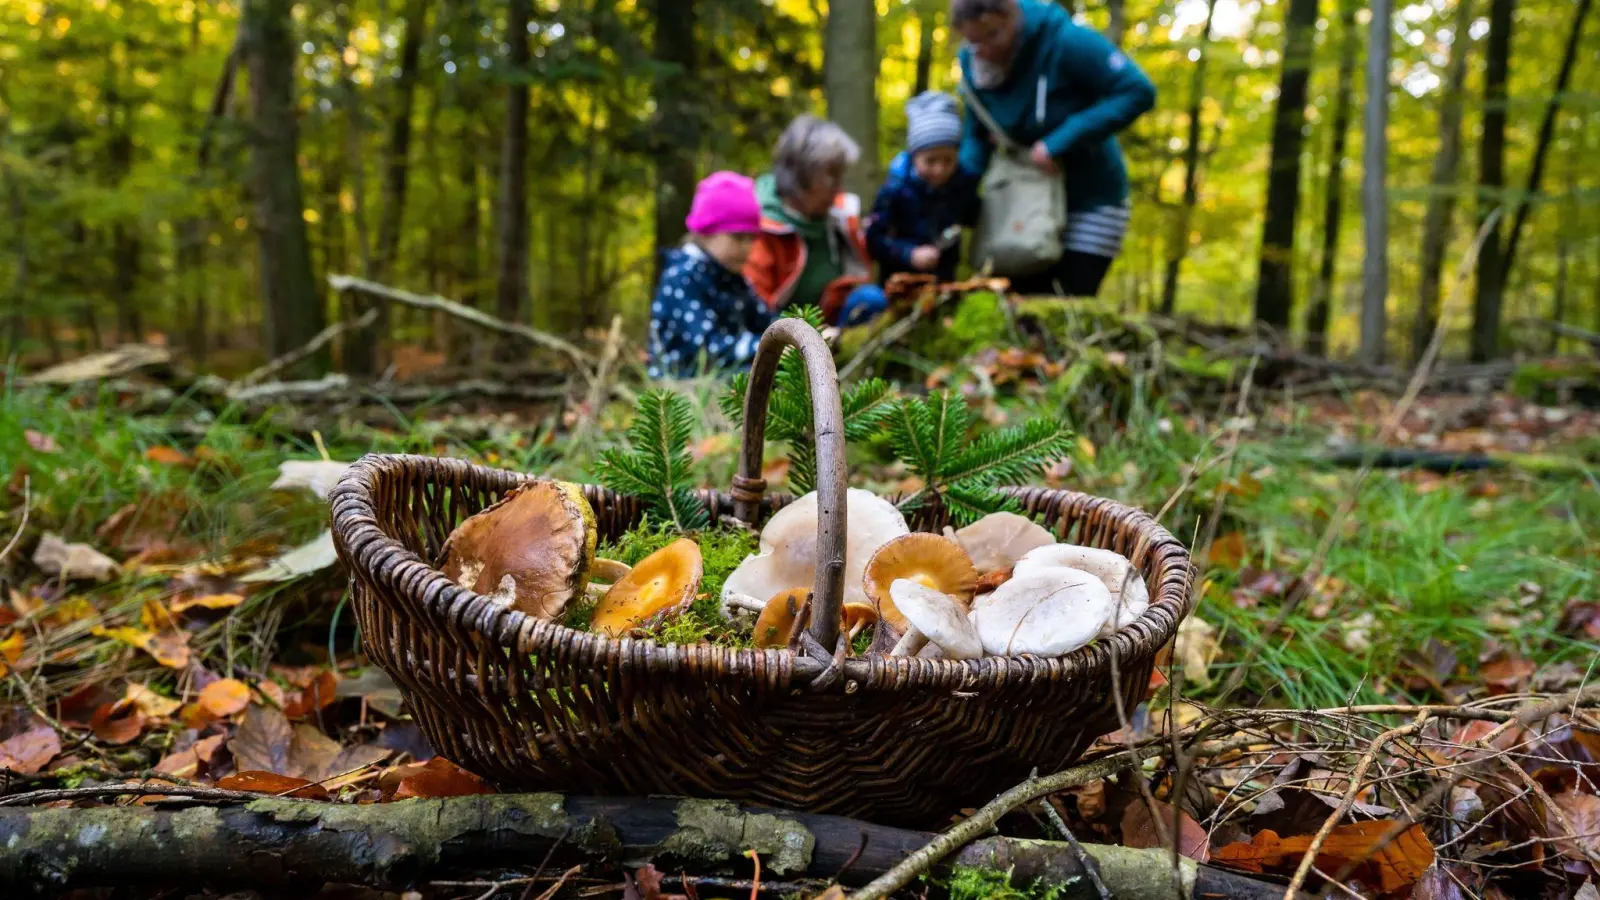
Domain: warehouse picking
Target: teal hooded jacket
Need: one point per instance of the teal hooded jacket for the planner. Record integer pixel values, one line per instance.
(1069, 87)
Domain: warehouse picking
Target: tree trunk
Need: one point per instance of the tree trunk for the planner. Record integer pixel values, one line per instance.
(927, 23)
(511, 226)
(291, 304)
(1491, 183)
(1333, 202)
(296, 843)
(1178, 247)
(1547, 129)
(1442, 199)
(1275, 282)
(850, 79)
(1117, 23)
(1375, 189)
(396, 161)
(676, 134)
(359, 349)
(125, 249)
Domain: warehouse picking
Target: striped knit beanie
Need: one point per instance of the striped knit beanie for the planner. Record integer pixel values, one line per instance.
(932, 120)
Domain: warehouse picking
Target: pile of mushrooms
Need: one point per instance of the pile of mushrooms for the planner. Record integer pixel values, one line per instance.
(534, 551)
(999, 587)
(1002, 586)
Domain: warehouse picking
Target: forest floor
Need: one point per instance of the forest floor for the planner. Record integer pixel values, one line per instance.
(145, 630)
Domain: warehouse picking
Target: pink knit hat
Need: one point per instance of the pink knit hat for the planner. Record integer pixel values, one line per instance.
(724, 202)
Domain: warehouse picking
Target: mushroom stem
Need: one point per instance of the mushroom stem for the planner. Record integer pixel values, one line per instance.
(609, 571)
(910, 642)
(745, 602)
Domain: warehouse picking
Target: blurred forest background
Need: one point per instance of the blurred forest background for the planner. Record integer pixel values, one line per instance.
(190, 171)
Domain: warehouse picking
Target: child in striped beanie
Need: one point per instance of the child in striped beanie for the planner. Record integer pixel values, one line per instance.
(926, 195)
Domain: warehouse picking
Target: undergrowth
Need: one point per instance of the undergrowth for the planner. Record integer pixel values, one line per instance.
(972, 883)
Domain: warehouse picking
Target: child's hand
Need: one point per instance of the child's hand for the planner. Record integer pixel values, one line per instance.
(925, 258)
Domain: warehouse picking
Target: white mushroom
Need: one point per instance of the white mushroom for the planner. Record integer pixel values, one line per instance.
(998, 540)
(933, 617)
(1127, 587)
(1048, 612)
(788, 554)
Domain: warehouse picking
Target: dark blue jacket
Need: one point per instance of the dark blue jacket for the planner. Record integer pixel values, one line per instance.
(702, 308)
(1089, 90)
(910, 213)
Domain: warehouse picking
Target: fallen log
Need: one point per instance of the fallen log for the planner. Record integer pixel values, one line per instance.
(283, 842)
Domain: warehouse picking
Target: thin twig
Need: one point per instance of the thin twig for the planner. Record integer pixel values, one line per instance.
(312, 346)
(27, 502)
(33, 798)
(1089, 865)
(1347, 801)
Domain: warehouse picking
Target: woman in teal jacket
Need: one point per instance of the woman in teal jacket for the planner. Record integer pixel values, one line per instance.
(1063, 91)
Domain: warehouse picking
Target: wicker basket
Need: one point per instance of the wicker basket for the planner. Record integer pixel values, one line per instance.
(533, 705)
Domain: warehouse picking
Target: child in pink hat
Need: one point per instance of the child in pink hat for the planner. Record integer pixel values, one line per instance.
(704, 315)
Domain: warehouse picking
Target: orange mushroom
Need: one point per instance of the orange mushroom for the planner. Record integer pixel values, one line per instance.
(531, 551)
(855, 617)
(661, 585)
(777, 619)
(928, 559)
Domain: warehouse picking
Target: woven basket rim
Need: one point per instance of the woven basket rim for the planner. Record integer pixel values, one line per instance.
(362, 544)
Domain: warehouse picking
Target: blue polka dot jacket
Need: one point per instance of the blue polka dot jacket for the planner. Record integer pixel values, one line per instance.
(705, 317)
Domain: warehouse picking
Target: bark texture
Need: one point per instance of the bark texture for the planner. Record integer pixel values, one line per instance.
(1333, 199)
(1442, 199)
(1275, 281)
(1491, 183)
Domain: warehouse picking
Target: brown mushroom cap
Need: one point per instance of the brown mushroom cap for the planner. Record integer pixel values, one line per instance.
(853, 617)
(777, 618)
(530, 551)
(662, 584)
(928, 559)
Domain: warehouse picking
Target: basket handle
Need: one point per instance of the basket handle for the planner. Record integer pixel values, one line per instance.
(828, 422)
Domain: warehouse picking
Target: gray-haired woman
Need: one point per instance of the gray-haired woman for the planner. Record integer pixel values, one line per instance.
(811, 251)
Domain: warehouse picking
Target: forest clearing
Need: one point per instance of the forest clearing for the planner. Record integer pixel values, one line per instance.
(522, 449)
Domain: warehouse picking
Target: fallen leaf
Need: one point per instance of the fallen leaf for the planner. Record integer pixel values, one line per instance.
(11, 648)
(123, 360)
(59, 559)
(207, 601)
(117, 723)
(646, 885)
(187, 763)
(274, 784)
(225, 697)
(171, 649)
(315, 475)
(439, 777)
(308, 558)
(151, 704)
(168, 456)
(28, 752)
(1582, 812)
(1436, 884)
(1587, 892)
(374, 686)
(1227, 551)
(262, 741)
(69, 610)
(1506, 674)
(1194, 648)
(317, 696)
(1140, 831)
(1396, 866)
(43, 443)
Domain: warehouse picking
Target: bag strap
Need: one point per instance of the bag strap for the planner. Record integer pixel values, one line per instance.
(971, 96)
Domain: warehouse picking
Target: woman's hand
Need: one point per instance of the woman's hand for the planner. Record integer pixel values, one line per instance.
(925, 258)
(1041, 157)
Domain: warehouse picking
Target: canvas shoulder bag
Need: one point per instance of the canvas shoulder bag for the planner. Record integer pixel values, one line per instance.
(1024, 211)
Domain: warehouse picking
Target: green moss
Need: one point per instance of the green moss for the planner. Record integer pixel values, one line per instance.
(978, 322)
(967, 883)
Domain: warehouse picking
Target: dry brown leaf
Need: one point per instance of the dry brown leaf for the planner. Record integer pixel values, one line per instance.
(1195, 648)
(59, 559)
(186, 763)
(151, 704)
(225, 697)
(439, 777)
(274, 784)
(117, 723)
(43, 443)
(317, 696)
(1582, 812)
(28, 752)
(1140, 831)
(1395, 867)
(262, 741)
(265, 741)
(11, 647)
(168, 456)
(1228, 551)
(171, 649)
(207, 601)
(1506, 674)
